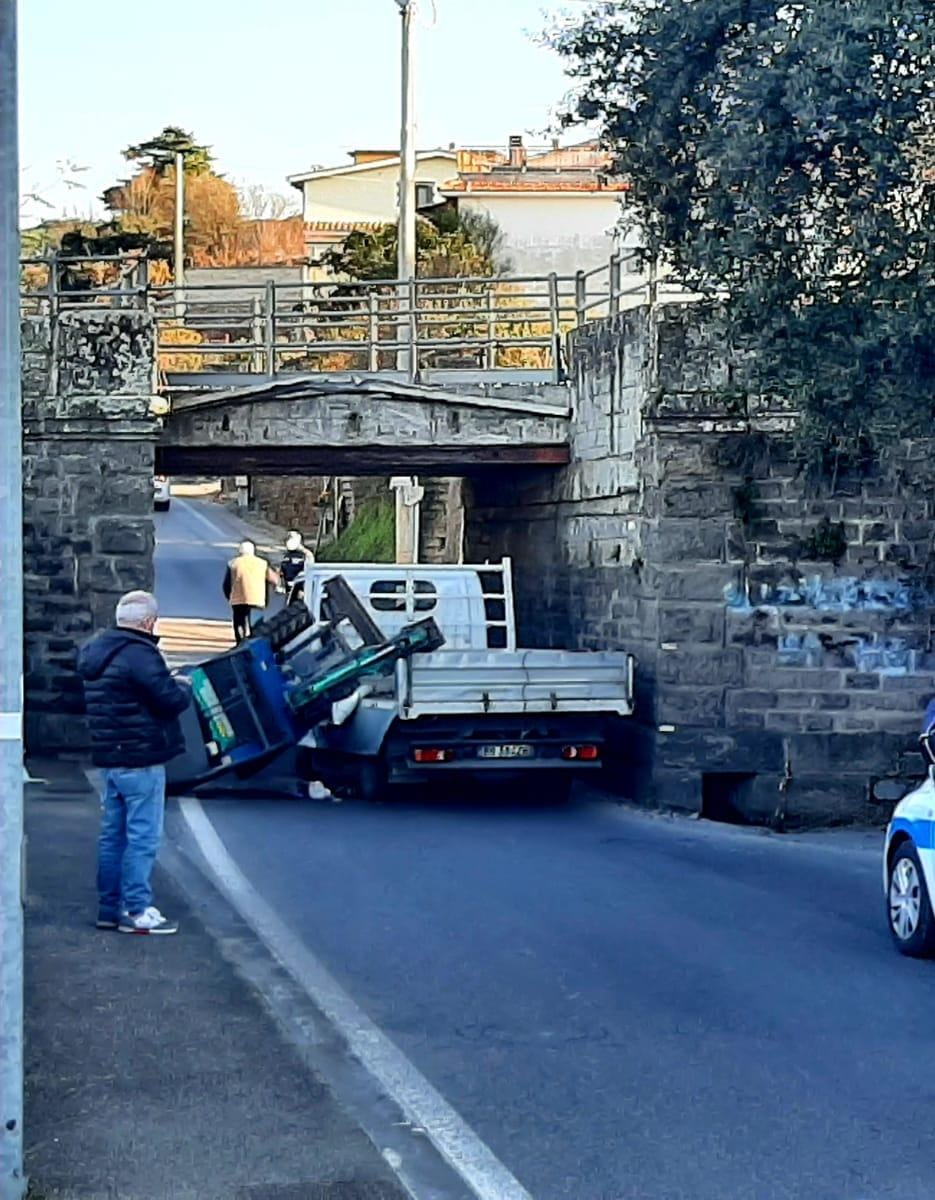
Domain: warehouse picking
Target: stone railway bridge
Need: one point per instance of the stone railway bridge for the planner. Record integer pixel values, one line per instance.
(362, 425)
(775, 683)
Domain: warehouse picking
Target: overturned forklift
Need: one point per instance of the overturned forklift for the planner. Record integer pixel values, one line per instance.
(251, 704)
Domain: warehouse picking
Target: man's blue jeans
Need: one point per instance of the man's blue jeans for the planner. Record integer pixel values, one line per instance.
(133, 804)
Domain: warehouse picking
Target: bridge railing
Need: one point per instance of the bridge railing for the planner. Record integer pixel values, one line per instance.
(51, 282)
(414, 326)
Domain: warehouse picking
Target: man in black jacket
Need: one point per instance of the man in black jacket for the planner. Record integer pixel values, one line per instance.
(133, 705)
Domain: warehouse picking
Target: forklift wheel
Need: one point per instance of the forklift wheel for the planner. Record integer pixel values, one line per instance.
(284, 626)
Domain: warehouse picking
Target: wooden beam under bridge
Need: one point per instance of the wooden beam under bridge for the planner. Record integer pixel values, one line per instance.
(351, 460)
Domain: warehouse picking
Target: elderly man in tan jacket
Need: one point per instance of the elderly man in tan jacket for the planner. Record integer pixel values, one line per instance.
(245, 586)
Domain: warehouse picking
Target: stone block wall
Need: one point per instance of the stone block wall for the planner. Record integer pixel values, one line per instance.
(782, 624)
(575, 536)
(290, 502)
(441, 524)
(294, 504)
(88, 463)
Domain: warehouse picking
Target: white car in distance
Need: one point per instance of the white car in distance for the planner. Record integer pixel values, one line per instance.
(161, 493)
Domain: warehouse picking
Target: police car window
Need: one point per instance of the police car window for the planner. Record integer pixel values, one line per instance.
(389, 595)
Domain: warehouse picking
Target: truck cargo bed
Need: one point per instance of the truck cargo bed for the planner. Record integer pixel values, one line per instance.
(515, 681)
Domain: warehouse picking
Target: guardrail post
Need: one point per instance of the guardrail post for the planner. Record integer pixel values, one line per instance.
(412, 291)
(614, 284)
(403, 332)
(257, 336)
(555, 325)
(139, 280)
(52, 284)
(490, 350)
(270, 339)
(581, 297)
(373, 330)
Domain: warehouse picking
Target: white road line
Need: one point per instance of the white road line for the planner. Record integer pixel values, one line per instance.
(229, 539)
(454, 1139)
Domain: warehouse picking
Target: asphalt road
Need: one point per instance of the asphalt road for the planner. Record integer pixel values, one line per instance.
(622, 1006)
(195, 540)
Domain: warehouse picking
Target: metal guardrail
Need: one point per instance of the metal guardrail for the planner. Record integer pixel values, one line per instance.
(482, 323)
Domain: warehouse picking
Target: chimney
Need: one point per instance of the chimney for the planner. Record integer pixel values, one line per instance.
(517, 153)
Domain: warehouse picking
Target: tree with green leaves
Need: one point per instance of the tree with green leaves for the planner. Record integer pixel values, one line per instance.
(144, 205)
(781, 154)
(158, 153)
(448, 245)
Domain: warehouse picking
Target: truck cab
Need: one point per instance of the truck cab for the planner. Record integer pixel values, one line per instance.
(469, 604)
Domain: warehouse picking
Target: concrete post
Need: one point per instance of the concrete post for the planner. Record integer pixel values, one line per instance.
(12, 1184)
(178, 254)
(408, 501)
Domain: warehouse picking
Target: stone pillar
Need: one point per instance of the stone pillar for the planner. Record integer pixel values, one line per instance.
(89, 436)
(441, 527)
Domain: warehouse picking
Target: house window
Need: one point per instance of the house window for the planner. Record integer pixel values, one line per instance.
(426, 195)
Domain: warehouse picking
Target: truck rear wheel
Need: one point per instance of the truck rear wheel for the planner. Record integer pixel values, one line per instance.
(371, 784)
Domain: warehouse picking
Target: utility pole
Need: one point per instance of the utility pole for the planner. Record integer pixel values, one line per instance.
(406, 234)
(406, 258)
(12, 1185)
(179, 253)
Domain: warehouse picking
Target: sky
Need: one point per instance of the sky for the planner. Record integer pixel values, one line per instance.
(274, 88)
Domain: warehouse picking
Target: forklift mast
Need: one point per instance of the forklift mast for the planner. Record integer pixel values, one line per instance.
(254, 702)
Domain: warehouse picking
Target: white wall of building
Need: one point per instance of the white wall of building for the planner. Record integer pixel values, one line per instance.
(552, 232)
(366, 195)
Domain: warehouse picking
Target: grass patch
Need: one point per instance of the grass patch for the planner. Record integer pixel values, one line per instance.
(370, 537)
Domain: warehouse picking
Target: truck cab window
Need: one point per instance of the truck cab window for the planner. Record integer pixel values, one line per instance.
(389, 595)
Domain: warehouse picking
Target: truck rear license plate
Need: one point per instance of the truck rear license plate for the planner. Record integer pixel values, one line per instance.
(513, 750)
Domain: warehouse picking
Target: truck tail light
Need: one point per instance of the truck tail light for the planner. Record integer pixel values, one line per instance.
(586, 753)
(432, 754)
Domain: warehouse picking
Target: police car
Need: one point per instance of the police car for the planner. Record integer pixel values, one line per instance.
(909, 859)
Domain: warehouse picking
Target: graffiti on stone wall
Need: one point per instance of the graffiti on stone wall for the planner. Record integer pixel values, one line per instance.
(775, 604)
(867, 653)
(841, 594)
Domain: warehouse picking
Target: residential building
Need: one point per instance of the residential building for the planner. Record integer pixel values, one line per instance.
(362, 195)
(558, 207)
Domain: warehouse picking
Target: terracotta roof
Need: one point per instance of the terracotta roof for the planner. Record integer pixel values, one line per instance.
(585, 156)
(533, 181)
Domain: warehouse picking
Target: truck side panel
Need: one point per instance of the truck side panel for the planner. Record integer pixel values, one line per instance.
(519, 681)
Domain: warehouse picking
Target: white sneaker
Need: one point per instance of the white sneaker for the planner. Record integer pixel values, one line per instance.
(318, 791)
(150, 920)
